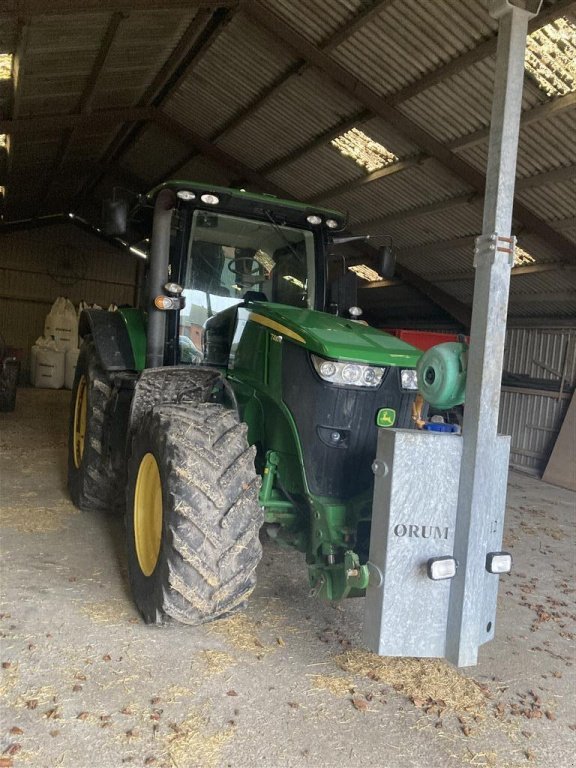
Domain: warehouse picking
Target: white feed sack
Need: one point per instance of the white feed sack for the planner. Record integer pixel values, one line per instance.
(62, 324)
(48, 364)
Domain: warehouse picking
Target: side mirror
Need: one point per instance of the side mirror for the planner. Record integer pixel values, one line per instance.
(114, 216)
(344, 293)
(386, 262)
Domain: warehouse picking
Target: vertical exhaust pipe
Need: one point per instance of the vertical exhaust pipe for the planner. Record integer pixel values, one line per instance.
(158, 275)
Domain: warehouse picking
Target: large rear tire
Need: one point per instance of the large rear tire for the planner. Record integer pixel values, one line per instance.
(192, 514)
(92, 481)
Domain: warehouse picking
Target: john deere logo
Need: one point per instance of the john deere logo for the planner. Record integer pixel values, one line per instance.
(386, 417)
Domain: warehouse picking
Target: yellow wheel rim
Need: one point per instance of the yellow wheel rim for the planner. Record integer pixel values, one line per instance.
(148, 514)
(80, 412)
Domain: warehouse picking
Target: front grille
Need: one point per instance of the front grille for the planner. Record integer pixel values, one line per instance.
(344, 469)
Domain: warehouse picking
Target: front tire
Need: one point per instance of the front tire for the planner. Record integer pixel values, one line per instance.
(92, 482)
(193, 516)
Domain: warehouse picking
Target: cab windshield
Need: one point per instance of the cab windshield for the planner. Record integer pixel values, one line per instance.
(229, 256)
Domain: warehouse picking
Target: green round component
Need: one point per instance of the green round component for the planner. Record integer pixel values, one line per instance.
(442, 375)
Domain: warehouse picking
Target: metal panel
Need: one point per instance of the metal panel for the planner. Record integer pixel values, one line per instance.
(406, 614)
(154, 152)
(420, 185)
(304, 107)
(307, 176)
(241, 62)
(534, 420)
(461, 104)
(543, 145)
(543, 354)
(458, 221)
(141, 45)
(317, 22)
(554, 201)
(60, 54)
(410, 38)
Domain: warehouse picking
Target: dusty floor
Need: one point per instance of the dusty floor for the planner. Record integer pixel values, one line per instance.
(86, 684)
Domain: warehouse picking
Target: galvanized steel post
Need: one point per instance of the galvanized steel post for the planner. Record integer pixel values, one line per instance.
(493, 261)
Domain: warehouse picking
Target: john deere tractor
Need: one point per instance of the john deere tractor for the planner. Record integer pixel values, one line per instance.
(237, 394)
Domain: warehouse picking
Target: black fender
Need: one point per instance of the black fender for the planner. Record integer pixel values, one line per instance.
(111, 338)
(184, 384)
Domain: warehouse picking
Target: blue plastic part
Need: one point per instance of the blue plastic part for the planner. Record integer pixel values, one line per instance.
(442, 427)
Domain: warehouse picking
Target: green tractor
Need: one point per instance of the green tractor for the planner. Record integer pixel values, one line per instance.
(237, 394)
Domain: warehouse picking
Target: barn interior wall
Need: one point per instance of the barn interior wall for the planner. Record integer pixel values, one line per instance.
(534, 416)
(37, 265)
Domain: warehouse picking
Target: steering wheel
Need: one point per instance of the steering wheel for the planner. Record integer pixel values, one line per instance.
(244, 265)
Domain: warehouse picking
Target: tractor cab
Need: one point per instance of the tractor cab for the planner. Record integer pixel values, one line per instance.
(228, 247)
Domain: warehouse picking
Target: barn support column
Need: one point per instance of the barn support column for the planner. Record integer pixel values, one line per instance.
(481, 495)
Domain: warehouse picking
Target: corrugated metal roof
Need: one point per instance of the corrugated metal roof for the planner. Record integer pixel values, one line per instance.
(410, 38)
(307, 176)
(420, 185)
(319, 21)
(60, 54)
(463, 219)
(542, 146)
(306, 106)
(137, 53)
(147, 157)
(240, 63)
(299, 108)
(462, 103)
(552, 201)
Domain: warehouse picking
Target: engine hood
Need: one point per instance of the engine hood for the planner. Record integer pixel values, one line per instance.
(333, 337)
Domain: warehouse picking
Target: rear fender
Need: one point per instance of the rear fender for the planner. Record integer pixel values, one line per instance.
(185, 384)
(111, 338)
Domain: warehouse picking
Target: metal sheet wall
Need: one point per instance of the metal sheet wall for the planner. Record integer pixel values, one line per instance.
(38, 265)
(533, 419)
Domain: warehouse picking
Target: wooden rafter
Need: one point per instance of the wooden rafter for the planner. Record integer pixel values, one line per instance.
(193, 44)
(85, 101)
(535, 114)
(365, 15)
(41, 7)
(207, 148)
(57, 123)
(482, 51)
(389, 170)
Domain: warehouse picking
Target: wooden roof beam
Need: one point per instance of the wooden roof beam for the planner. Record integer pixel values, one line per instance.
(482, 51)
(85, 101)
(207, 148)
(41, 7)
(389, 170)
(197, 38)
(57, 123)
(542, 112)
(363, 17)
(528, 269)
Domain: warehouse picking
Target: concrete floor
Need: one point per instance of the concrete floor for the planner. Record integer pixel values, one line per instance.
(86, 684)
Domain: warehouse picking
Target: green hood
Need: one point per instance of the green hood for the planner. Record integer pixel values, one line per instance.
(335, 337)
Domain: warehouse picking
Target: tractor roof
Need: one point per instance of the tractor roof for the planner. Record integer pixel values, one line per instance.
(236, 198)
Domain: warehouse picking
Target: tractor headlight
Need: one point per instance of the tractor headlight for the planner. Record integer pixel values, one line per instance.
(347, 374)
(409, 378)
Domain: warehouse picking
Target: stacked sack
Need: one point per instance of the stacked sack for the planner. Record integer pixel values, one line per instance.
(55, 354)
